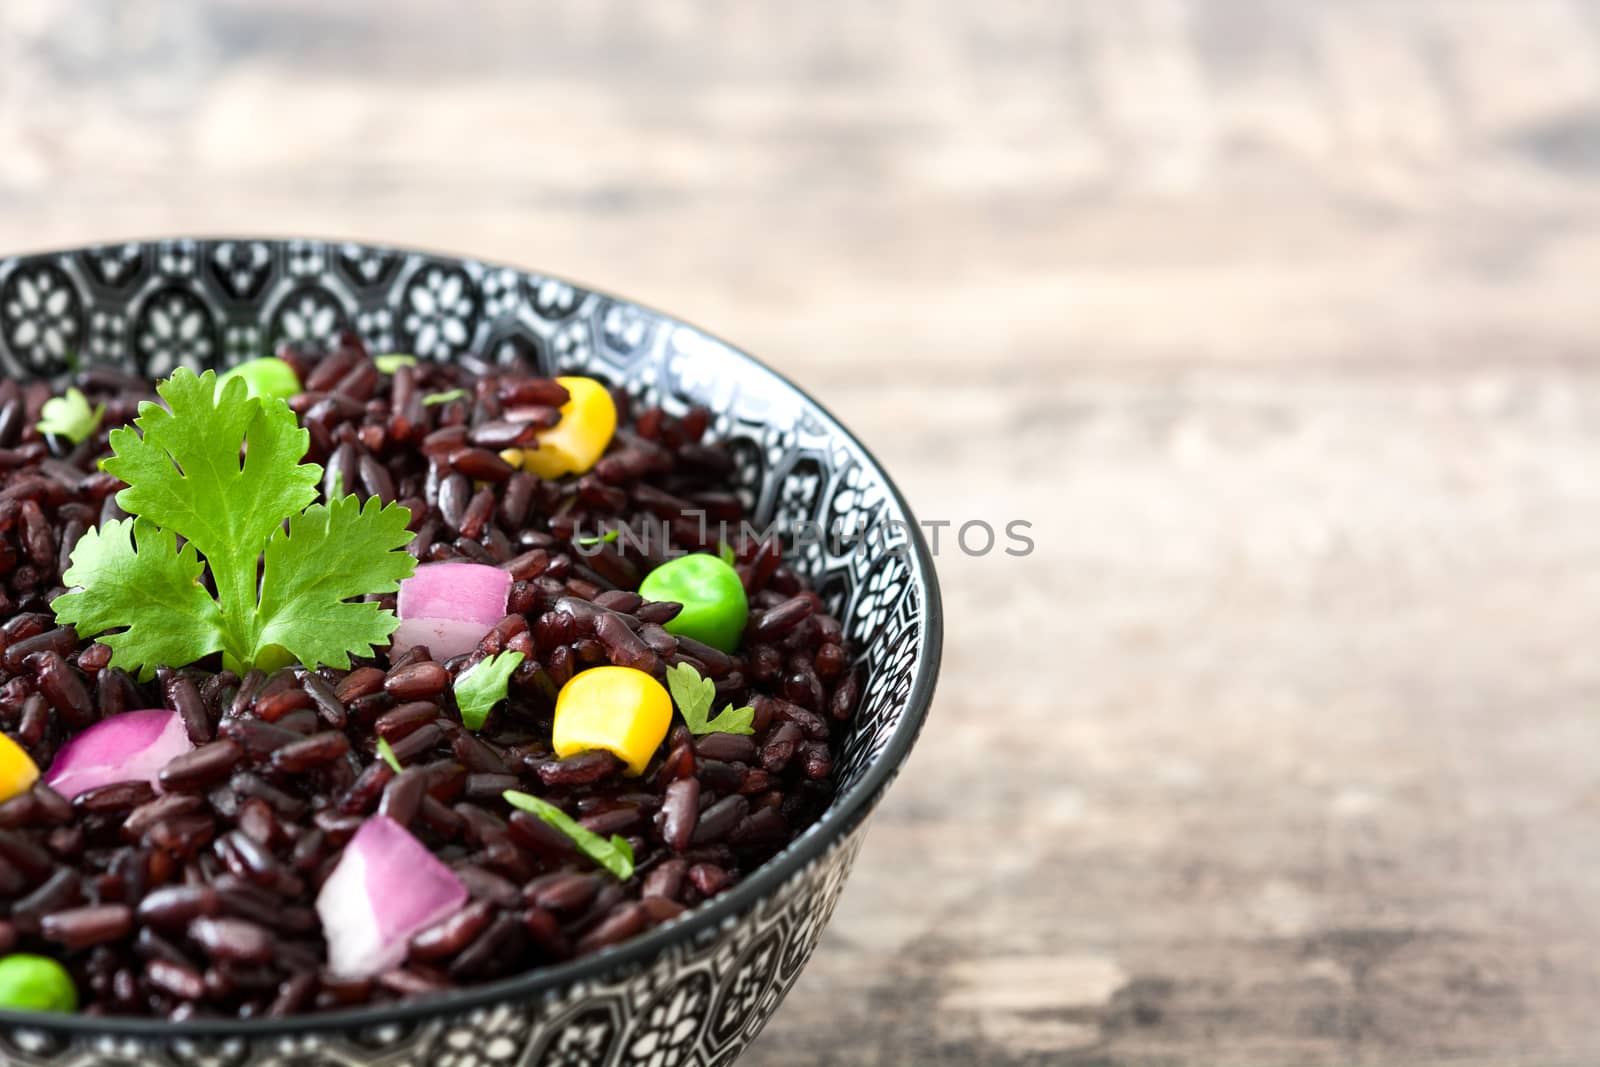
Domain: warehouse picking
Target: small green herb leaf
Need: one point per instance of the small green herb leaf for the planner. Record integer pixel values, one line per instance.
(386, 753)
(483, 686)
(69, 416)
(603, 539)
(393, 362)
(133, 576)
(726, 554)
(310, 575)
(694, 695)
(443, 398)
(615, 855)
(283, 593)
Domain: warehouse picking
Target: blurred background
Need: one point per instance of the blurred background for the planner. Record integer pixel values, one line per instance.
(1276, 320)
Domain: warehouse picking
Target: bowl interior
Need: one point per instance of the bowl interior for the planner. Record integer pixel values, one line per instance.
(148, 307)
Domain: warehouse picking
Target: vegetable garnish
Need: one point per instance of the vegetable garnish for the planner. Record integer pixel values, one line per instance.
(386, 753)
(283, 595)
(694, 694)
(393, 362)
(726, 554)
(483, 686)
(443, 398)
(69, 416)
(602, 539)
(621, 710)
(715, 607)
(449, 607)
(36, 983)
(576, 443)
(18, 772)
(385, 888)
(268, 376)
(615, 855)
(130, 747)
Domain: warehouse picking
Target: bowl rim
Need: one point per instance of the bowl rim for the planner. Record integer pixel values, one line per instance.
(848, 809)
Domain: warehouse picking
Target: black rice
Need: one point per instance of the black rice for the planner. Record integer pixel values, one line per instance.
(199, 901)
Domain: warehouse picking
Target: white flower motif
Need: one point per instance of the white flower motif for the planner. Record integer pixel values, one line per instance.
(175, 334)
(241, 341)
(41, 316)
(488, 1038)
(440, 308)
(241, 264)
(226, 1053)
(748, 986)
(176, 257)
(880, 596)
(377, 326)
(499, 288)
(571, 346)
(747, 470)
(669, 1028)
(311, 317)
(304, 257)
(368, 264)
(580, 1045)
(112, 263)
(625, 326)
(799, 493)
(106, 333)
(857, 493)
(553, 298)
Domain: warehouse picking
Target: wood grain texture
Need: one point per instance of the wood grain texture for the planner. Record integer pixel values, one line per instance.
(1276, 320)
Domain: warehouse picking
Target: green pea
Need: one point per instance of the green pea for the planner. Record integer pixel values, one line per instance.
(714, 605)
(268, 376)
(36, 983)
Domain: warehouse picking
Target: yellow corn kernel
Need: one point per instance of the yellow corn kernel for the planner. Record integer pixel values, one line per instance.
(576, 443)
(512, 456)
(17, 769)
(618, 709)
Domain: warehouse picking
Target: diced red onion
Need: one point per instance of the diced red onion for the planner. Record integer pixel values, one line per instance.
(131, 747)
(385, 888)
(449, 607)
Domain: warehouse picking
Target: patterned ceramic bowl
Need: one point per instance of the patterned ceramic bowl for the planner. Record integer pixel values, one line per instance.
(696, 991)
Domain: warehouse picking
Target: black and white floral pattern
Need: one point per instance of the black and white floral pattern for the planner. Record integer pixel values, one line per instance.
(241, 267)
(694, 995)
(42, 316)
(309, 313)
(438, 312)
(174, 329)
(366, 267)
(113, 266)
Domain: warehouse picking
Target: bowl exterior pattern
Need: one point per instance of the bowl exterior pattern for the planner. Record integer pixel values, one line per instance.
(699, 1002)
(149, 307)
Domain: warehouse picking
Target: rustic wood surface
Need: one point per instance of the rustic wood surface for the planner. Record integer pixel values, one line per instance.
(1276, 320)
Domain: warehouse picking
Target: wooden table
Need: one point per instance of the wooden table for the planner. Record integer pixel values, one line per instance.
(1276, 320)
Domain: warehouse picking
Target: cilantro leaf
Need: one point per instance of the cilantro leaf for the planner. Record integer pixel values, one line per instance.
(386, 753)
(69, 416)
(330, 554)
(133, 575)
(443, 398)
(615, 855)
(186, 478)
(394, 361)
(483, 686)
(184, 473)
(694, 695)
